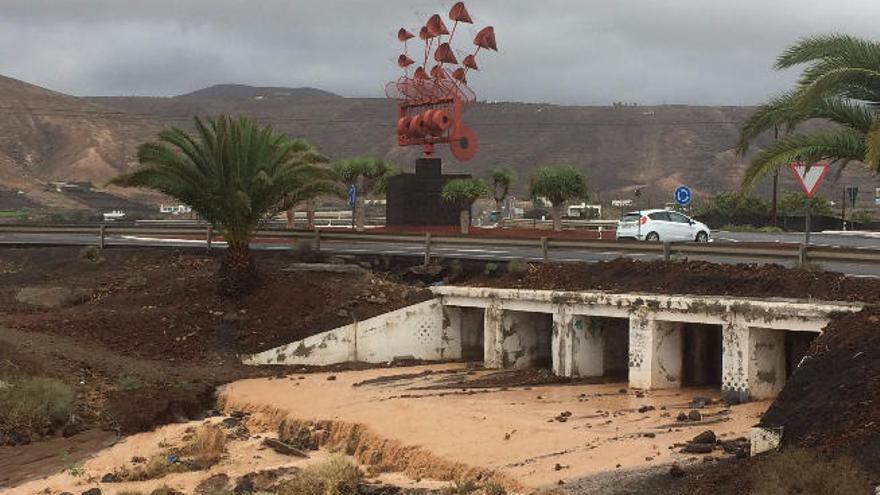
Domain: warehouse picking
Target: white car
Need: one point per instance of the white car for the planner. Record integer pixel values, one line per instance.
(661, 225)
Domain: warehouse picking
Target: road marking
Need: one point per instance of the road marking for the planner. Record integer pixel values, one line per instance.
(166, 239)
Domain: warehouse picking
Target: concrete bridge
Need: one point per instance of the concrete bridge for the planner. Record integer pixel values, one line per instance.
(746, 347)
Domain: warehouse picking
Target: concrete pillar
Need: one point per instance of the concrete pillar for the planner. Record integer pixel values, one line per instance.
(452, 332)
(735, 361)
(753, 362)
(578, 344)
(493, 337)
(766, 363)
(655, 352)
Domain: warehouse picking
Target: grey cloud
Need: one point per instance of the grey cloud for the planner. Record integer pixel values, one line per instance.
(568, 52)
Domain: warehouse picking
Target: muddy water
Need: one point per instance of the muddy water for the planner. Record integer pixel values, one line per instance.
(243, 457)
(512, 431)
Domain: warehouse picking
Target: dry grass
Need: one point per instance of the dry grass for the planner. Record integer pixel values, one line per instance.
(34, 404)
(155, 467)
(207, 446)
(799, 471)
(336, 476)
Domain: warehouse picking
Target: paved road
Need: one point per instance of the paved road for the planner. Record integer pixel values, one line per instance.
(468, 252)
(845, 239)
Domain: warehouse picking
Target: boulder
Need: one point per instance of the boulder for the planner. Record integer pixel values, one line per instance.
(695, 415)
(283, 448)
(707, 436)
(51, 297)
(215, 484)
(699, 448)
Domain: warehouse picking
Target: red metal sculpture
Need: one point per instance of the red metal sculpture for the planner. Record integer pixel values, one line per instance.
(431, 101)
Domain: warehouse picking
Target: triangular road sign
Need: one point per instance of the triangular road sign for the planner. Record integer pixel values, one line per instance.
(809, 177)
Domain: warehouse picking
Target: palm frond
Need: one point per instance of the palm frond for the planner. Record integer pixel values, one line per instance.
(839, 146)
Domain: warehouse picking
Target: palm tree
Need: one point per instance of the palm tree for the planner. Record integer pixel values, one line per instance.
(367, 174)
(235, 174)
(309, 195)
(559, 185)
(840, 84)
(462, 193)
(502, 178)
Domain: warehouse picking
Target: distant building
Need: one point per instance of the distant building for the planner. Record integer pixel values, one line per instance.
(65, 186)
(175, 209)
(578, 210)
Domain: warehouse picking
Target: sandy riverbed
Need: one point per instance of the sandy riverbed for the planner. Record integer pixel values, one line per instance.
(511, 431)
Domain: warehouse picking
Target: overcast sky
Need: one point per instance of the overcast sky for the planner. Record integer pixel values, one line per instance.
(712, 52)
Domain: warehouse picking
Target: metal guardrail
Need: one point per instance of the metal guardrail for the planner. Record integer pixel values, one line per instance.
(668, 250)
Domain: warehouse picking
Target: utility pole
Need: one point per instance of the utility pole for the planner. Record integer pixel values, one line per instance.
(843, 210)
(775, 182)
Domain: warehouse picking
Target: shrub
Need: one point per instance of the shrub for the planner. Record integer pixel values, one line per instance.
(801, 471)
(128, 382)
(518, 266)
(207, 446)
(336, 476)
(34, 404)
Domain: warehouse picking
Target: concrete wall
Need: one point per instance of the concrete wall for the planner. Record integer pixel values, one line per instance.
(578, 344)
(516, 339)
(416, 332)
(660, 341)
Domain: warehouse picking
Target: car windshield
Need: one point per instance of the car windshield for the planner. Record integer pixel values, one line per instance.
(630, 217)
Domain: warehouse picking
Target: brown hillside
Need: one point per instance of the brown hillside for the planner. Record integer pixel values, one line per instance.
(47, 136)
(619, 148)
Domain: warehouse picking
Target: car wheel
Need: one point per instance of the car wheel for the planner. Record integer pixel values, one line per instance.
(652, 236)
(702, 237)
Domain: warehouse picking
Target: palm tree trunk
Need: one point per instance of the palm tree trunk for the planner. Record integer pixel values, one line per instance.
(360, 215)
(238, 273)
(310, 214)
(291, 215)
(556, 215)
(464, 219)
(499, 205)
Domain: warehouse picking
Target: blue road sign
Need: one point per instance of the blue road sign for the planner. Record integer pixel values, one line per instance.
(683, 195)
(352, 195)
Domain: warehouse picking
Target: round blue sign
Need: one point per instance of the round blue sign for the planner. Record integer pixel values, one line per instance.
(683, 195)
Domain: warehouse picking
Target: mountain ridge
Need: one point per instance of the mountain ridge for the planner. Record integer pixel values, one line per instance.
(49, 136)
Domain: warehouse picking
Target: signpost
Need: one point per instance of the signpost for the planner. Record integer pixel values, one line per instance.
(683, 196)
(809, 177)
(352, 200)
(850, 193)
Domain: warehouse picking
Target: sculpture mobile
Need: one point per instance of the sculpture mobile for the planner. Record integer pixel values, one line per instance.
(431, 101)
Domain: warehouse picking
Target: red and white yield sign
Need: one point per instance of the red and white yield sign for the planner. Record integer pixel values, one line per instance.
(809, 177)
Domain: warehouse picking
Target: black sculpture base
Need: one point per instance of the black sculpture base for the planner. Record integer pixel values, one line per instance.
(414, 199)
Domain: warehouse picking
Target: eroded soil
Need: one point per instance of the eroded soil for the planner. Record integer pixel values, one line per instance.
(688, 277)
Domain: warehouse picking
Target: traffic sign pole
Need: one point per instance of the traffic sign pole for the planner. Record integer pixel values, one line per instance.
(809, 177)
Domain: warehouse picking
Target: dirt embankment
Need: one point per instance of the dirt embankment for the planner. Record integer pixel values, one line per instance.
(688, 277)
(832, 401)
(147, 339)
(163, 304)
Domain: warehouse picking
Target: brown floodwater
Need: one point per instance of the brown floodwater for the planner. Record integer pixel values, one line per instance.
(511, 431)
